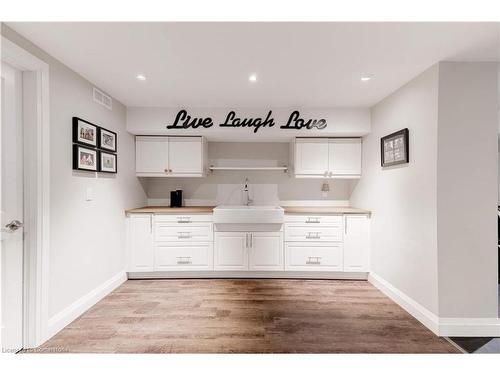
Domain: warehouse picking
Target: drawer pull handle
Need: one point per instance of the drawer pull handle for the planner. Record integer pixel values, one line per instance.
(183, 219)
(313, 220)
(183, 235)
(184, 260)
(313, 260)
(313, 235)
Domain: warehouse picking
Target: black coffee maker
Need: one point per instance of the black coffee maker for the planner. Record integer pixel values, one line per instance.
(176, 198)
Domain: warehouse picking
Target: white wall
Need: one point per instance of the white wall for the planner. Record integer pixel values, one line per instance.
(467, 182)
(87, 238)
(434, 219)
(403, 198)
(340, 122)
(266, 187)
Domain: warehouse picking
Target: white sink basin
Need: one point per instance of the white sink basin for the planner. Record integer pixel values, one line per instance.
(248, 215)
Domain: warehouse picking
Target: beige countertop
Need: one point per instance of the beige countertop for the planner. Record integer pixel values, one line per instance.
(171, 210)
(208, 209)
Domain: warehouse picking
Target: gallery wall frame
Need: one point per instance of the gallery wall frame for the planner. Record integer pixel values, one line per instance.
(106, 139)
(395, 149)
(85, 158)
(108, 162)
(84, 132)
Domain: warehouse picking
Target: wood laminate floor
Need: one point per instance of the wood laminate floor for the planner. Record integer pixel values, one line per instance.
(246, 316)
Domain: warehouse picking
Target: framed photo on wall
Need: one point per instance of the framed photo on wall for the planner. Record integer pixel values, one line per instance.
(85, 158)
(107, 162)
(394, 148)
(84, 132)
(106, 140)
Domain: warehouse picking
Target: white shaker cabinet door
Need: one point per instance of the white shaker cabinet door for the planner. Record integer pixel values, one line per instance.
(231, 251)
(266, 251)
(345, 157)
(151, 156)
(185, 155)
(311, 157)
(356, 243)
(141, 254)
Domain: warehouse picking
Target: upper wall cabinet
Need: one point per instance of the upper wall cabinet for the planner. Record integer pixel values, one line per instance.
(327, 157)
(161, 156)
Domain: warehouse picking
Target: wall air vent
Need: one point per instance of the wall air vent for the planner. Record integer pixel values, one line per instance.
(103, 99)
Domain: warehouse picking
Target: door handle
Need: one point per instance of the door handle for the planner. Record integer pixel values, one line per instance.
(14, 225)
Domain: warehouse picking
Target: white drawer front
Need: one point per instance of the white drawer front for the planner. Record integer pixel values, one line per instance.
(178, 257)
(314, 257)
(183, 219)
(302, 232)
(314, 219)
(168, 231)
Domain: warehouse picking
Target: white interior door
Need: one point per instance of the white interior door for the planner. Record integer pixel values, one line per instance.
(11, 210)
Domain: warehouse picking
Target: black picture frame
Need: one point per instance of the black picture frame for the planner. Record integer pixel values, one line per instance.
(101, 145)
(107, 170)
(77, 165)
(78, 124)
(395, 148)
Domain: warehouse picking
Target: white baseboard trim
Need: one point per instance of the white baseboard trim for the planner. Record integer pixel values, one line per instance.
(328, 275)
(419, 312)
(451, 327)
(77, 308)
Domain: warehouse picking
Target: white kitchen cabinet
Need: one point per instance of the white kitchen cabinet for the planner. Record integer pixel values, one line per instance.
(311, 156)
(265, 251)
(230, 251)
(185, 155)
(189, 256)
(151, 156)
(163, 156)
(345, 156)
(258, 251)
(325, 256)
(356, 243)
(140, 243)
(327, 157)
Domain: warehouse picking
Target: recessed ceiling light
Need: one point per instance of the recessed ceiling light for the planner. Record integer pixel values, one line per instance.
(365, 79)
(252, 78)
(140, 77)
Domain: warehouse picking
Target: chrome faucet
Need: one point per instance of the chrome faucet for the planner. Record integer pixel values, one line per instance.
(247, 196)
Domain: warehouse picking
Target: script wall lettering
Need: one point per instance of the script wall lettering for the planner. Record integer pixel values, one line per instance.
(295, 122)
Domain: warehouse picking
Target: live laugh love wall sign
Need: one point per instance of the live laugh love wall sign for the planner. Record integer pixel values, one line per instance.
(295, 122)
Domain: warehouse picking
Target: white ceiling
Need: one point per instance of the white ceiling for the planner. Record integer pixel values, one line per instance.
(297, 64)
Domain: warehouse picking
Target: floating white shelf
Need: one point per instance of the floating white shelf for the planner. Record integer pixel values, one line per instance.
(284, 168)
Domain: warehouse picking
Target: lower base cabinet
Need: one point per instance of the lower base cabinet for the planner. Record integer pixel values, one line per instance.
(183, 256)
(319, 256)
(356, 243)
(166, 243)
(257, 251)
(140, 243)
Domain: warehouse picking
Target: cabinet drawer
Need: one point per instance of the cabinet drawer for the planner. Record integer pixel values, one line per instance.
(183, 219)
(171, 231)
(314, 257)
(178, 257)
(304, 232)
(314, 219)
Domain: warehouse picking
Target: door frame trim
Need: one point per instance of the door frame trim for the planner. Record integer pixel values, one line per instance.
(36, 197)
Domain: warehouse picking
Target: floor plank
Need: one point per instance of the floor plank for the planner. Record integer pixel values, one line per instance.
(246, 316)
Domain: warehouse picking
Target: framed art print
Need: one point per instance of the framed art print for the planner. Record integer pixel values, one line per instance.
(84, 132)
(106, 140)
(394, 148)
(107, 162)
(85, 158)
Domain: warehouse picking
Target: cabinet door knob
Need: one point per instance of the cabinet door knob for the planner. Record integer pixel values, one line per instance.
(166, 170)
